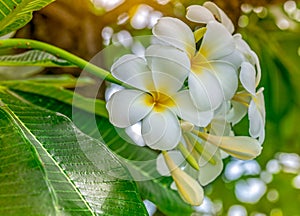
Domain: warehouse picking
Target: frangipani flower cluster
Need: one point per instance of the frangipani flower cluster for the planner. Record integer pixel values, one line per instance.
(187, 91)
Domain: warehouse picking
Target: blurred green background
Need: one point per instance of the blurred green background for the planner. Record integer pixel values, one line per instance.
(269, 185)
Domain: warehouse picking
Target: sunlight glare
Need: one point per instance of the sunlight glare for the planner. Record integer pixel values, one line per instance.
(140, 19)
(273, 166)
(237, 210)
(108, 5)
(273, 195)
(289, 6)
(250, 190)
(233, 170)
(296, 182)
(290, 162)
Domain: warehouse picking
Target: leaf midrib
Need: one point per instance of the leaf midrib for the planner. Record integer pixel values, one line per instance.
(8, 18)
(36, 143)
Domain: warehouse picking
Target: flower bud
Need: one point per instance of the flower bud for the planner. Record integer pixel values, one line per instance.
(189, 189)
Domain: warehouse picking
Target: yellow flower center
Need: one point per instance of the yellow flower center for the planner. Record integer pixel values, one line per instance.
(159, 101)
(199, 62)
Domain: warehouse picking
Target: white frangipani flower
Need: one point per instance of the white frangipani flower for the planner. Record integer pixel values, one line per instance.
(211, 80)
(157, 99)
(208, 12)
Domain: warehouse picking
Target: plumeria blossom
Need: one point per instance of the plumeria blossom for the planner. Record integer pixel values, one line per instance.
(183, 93)
(156, 100)
(211, 80)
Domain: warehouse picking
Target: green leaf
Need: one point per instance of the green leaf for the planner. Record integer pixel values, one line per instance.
(49, 167)
(34, 58)
(139, 160)
(62, 80)
(54, 90)
(14, 14)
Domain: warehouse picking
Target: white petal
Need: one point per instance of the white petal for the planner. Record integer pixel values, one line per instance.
(261, 103)
(199, 14)
(169, 67)
(261, 136)
(256, 114)
(227, 77)
(161, 130)
(220, 15)
(249, 55)
(127, 107)
(247, 77)
(235, 58)
(186, 110)
(217, 41)
(205, 90)
(258, 68)
(133, 70)
(220, 127)
(173, 186)
(161, 165)
(209, 171)
(222, 110)
(176, 33)
(237, 112)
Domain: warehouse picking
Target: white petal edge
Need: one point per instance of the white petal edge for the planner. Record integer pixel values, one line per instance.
(205, 90)
(237, 112)
(213, 46)
(199, 14)
(161, 165)
(220, 126)
(133, 70)
(161, 130)
(227, 77)
(176, 33)
(127, 107)
(187, 111)
(209, 172)
(247, 77)
(220, 14)
(235, 58)
(256, 114)
(169, 66)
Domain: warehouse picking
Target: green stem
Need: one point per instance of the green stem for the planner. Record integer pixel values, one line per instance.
(81, 63)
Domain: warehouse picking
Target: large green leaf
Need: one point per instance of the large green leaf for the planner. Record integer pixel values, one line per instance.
(140, 160)
(49, 167)
(34, 58)
(14, 14)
